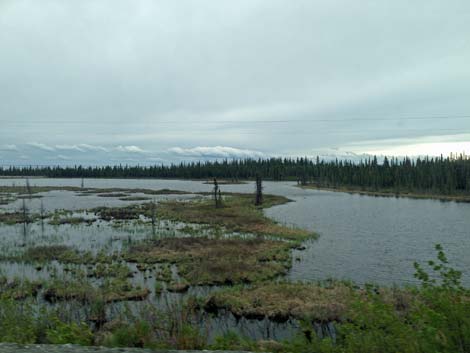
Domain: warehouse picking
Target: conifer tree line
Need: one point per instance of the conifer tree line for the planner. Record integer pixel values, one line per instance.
(434, 175)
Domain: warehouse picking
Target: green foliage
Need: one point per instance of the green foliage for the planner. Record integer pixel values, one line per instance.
(231, 341)
(130, 335)
(66, 333)
(21, 323)
(312, 345)
(16, 322)
(376, 326)
(448, 276)
(442, 320)
(190, 337)
(432, 318)
(436, 318)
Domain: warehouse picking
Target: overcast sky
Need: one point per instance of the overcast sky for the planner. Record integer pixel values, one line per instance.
(95, 81)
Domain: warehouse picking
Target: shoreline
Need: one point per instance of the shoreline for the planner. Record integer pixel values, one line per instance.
(203, 180)
(410, 195)
(349, 190)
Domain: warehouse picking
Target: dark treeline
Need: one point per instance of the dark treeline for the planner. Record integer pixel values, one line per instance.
(434, 175)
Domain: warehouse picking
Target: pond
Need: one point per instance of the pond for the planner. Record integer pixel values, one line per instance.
(362, 238)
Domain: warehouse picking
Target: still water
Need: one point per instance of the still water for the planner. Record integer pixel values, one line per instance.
(362, 238)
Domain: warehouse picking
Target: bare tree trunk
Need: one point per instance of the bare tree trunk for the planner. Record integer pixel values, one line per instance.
(28, 187)
(42, 217)
(220, 198)
(24, 211)
(154, 217)
(217, 194)
(259, 191)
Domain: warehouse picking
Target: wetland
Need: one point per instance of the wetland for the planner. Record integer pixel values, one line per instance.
(162, 266)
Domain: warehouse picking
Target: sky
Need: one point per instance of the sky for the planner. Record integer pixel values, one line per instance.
(151, 81)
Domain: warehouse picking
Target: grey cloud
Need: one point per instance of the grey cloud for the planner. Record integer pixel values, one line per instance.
(69, 148)
(130, 149)
(8, 148)
(93, 148)
(216, 152)
(82, 148)
(41, 146)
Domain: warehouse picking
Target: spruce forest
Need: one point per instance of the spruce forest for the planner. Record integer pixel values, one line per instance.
(449, 176)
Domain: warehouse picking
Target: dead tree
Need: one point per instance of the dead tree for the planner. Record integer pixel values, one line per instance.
(24, 212)
(220, 198)
(153, 216)
(42, 212)
(259, 191)
(217, 194)
(28, 187)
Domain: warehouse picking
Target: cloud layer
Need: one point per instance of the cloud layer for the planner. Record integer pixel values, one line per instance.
(216, 152)
(114, 80)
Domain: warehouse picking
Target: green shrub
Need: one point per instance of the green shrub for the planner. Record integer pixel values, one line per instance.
(17, 323)
(73, 333)
(130, 335)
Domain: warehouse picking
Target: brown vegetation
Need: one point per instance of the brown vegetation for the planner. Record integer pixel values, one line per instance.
(217, 261)
(281, 301)
(238, 214)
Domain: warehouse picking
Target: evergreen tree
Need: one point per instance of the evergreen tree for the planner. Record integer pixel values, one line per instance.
(424, 175)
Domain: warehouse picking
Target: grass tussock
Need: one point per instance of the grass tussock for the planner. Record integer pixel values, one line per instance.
(282, 301)
(131, 212)
(12, 218)
(238, 214)
(113, 290)
(202, 260)
(23, 190)
(116, 195)
(48, 253)
(17, 289)
(134, 198)
(124, 192)
(63, 254)
(57, 221)
(225, 182)
(372, 319)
